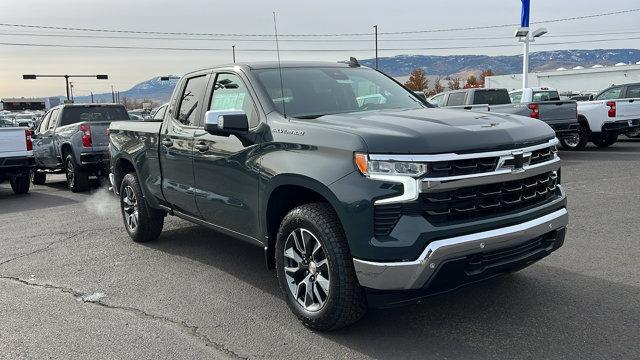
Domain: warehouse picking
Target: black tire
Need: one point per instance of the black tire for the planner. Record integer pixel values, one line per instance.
(77, 180)
(633, 134)
(149, 221)
(39, 177)
(604, 139)
(20, 184)
(345, 302)
(576, 142)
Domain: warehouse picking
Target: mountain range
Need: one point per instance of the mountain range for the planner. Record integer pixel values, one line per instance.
(449, 65)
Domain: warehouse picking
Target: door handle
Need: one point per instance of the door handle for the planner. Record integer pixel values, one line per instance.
(202, 147)
(167, 142)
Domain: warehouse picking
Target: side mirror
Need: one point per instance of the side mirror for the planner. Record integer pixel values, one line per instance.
(591, 97)
(225, 122)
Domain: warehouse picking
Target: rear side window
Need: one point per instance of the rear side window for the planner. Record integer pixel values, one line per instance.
(456, 99)
(610, 94)
(76, 114)
(546, 96)
(491, 97)
(192, 94)
(516, 97)
(633, 91)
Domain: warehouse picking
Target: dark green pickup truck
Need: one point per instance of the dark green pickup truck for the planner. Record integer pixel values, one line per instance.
(359, 192)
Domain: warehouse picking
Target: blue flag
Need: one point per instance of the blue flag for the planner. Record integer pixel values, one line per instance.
(524, 19)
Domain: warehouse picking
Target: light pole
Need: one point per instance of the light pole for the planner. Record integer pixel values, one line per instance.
(233, 49)
(526, 38)
(66, 79)
(375, 29)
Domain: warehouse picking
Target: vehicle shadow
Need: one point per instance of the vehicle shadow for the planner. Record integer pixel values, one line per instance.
(539, 312)
(34, 200)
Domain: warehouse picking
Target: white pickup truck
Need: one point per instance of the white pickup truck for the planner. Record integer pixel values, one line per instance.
(614, 111)
(16, 157)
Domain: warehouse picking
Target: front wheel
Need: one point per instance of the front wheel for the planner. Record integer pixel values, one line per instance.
(315, 269)
(604, 139)
(142, 222)
(575, 142)
(20, 184)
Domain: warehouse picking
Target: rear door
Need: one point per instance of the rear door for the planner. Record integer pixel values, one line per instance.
(225, 174)
(176, 144)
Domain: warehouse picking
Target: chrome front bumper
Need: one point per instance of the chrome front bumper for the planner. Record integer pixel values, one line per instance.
(415, 274)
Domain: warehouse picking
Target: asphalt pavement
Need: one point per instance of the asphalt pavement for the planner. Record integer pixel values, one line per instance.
(73, 284)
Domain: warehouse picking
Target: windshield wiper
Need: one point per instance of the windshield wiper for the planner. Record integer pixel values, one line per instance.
(309, 116)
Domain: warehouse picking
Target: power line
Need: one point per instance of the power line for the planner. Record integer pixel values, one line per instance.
(304, 50)
(316, 35)
(461, 38)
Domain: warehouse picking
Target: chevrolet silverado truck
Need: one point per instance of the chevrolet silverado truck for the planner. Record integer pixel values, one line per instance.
(16, 158)
(355, 204)
(612, 112)
(545, 105)
(73, 139)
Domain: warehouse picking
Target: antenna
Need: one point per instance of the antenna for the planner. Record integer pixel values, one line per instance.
(275, 28)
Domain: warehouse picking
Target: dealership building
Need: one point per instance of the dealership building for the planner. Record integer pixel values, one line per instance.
(576, 80)
(21, 104)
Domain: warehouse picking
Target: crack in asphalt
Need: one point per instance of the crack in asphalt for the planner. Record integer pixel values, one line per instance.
(191, 330)
(48, 246)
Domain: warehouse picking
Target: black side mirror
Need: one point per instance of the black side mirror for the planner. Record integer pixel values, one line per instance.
(591, 97)
(226, 122)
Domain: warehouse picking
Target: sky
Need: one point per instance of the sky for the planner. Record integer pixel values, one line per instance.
(126, 67)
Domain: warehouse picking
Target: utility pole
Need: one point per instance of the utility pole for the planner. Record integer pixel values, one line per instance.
(526, 37)
(113, 95)
(375, 27)
(92, 97)
(71, 90)
(118, 96)
(66, 79)
(233, 49)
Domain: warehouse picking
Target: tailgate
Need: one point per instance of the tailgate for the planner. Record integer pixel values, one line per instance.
(99, 136)
(628, 109)
(558, 110)
(12, 140)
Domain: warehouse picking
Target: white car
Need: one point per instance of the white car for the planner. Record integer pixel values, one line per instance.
(614, 111)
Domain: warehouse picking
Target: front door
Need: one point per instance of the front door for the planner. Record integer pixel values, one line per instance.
(47, 150)
(225, 172)
(176, 145)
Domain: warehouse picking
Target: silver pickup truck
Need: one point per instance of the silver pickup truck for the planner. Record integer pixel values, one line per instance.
(16, 157)
(74, 139)
(561, 115)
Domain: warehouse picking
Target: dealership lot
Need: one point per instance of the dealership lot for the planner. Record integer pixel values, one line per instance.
(74, 284)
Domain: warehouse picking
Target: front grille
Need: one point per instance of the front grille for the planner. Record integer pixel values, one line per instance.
(485, 200)
(542, 155)
(462, 167)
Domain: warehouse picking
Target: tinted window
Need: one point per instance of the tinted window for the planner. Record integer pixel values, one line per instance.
(610, 94)
(54, 118)
(546, 95)
(76, 114)
(230, 93)
(491, 97)
(633, 91)
(516, 97)
(192, 94)
(312, 92)
(456, 99)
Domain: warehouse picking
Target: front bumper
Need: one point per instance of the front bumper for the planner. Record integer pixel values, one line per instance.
(419, 273)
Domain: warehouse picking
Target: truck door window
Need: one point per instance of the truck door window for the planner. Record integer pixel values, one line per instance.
(610, 94)
(44, 125)
(456, 99)
(159, 115)
(54, 118)
(437, 99)
(193, 92)
(230, 93)
(633, 91)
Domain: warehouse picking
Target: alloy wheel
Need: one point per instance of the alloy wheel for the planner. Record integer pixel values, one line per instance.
(572, 140)
(71, 174)
(130, 208)
(306, 269)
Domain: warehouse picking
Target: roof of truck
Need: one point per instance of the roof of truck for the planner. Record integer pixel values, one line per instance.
(284, 64)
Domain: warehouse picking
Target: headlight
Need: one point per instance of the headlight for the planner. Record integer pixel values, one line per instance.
(369, 167)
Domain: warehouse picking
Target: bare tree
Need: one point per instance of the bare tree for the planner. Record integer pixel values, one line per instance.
(454, 83)
(438, 87)
(484, 74)
(418, 80)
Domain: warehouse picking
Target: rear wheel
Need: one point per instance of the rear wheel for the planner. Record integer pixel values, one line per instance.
(634, 134)
(20, 184)
(315, 269)
(39, 177)
(575, 142)
(143, 223)
(77, 180)
(604, 139)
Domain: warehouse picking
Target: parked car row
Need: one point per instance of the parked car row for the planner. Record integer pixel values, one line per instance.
(610, 113)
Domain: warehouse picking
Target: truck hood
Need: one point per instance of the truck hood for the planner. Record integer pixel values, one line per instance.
(432, 131)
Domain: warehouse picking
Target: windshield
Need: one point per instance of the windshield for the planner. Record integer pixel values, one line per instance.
(314, 92)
